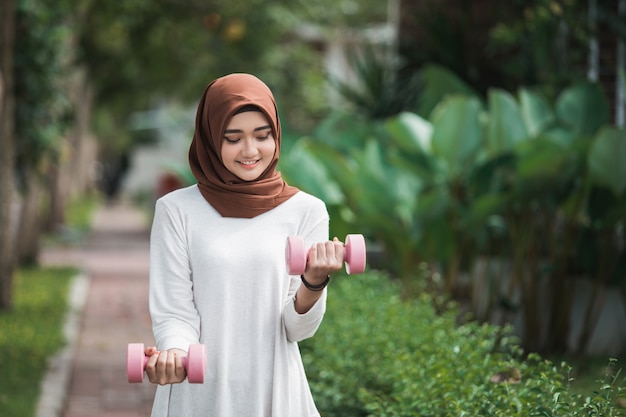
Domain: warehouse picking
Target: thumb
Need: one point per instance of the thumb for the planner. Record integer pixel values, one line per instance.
(149, 351)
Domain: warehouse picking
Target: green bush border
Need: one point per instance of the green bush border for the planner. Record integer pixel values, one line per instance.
(379, 355)
(30, 334)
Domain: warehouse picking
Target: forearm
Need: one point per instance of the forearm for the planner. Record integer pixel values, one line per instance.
(306, 297)
(300, 326)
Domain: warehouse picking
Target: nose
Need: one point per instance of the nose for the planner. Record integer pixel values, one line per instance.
(249, 147)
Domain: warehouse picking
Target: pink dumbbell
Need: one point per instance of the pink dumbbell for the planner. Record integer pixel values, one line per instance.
(194, 363)
(296, 255)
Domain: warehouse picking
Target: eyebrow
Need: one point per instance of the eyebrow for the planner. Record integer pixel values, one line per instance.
(228, 131)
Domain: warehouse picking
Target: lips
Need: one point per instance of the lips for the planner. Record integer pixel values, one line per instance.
(249, 164)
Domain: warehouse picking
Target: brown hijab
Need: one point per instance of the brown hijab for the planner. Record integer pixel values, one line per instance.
(227, 193)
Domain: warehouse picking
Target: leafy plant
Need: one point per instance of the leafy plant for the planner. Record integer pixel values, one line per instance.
(29, 335)
(377, 355)
(381, 89)
(41, 64)
(512, 198)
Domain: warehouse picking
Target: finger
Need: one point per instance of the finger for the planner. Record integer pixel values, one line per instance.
(170, 366)
(333, 251)
(162, 368)
(181, 373)
(321, 250)
(340, 252)
(329, 249)
(177, 370)
(151, 368)
(312, 254)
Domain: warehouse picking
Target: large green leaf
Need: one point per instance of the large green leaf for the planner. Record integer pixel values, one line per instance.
(384, 192)
(583, 108)
(536, 112)
(607, 159)
(505, 126)
(343, 131)
(485, 206)
(561, 135)
(305, 170)
(410, 132)
(545, 167)
(421, 165)
(440, 83)
(457, 135)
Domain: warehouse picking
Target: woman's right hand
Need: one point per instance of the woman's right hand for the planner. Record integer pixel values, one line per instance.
(165, 367)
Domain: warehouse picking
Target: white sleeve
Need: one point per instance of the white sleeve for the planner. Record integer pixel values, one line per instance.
(302, 326)
(175, 319)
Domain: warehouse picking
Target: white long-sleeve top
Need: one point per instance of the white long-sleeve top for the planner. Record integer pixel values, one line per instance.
(223, 282)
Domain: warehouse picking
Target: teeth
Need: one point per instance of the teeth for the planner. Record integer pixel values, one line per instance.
(248, 162)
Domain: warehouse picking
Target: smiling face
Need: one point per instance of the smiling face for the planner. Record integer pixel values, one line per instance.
(248, 146)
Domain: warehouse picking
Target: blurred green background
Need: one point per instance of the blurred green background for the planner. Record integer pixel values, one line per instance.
(481, 138)
(478, 145)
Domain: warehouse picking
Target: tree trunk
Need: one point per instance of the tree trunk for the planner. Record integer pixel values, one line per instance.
(30, 221)
(75, 174)
(7, 110)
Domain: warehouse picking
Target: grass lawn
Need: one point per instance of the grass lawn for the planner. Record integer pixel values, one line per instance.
(30, 334)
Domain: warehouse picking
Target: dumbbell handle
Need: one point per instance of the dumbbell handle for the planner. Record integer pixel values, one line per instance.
(194, 363)
(184, 358)
(355, 254)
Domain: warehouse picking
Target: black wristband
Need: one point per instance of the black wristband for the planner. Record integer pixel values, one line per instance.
(312, 287)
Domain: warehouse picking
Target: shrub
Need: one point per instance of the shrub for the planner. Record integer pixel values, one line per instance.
(30, 334)
(531, 190)
(378, 355)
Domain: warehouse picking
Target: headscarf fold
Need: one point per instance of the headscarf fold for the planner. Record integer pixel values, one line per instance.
(227, 193)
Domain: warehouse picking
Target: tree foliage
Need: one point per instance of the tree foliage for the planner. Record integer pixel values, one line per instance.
(42, 114)
(508, 44)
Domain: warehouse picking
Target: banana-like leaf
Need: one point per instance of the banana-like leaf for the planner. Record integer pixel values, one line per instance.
(457, 135)
(484, 207)
(440, 83)
(410, 132)
(424, 166)
(536, 112)
(607, 160)
(545, 163)
(343, 131)
(383, 190)
(305, 170)
(583, 109)
(505, 126)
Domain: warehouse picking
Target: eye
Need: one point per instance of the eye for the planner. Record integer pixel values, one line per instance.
(231, 140)
(264, 137)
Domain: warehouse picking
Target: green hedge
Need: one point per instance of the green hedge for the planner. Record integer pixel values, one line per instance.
(377, 355)
(30, 334)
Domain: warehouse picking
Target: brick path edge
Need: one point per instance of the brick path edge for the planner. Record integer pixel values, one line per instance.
(57, 379)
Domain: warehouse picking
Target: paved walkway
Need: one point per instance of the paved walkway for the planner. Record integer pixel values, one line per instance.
(115, 260)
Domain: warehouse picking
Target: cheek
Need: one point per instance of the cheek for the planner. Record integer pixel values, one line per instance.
(227, 154)
(270, 148)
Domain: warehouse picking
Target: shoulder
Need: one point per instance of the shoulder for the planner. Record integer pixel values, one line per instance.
(185, 194)
(302, 212)
(305, 202)
(183, 197)
(186, 200)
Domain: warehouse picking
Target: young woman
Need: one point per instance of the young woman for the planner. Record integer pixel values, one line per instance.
(217, 268)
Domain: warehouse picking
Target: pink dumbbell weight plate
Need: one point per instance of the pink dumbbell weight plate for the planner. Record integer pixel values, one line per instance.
(355, 256)
(194, 363)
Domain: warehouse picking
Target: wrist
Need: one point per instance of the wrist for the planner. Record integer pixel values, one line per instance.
(315, 287)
